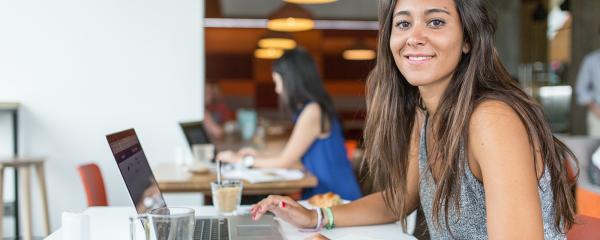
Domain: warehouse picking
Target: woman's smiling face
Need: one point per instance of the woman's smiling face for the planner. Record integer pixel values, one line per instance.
(427, 40)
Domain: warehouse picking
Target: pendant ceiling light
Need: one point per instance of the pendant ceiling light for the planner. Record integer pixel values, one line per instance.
(290, 18)
(310, 1)
(268, 53)
(277, 40)
(359, 52)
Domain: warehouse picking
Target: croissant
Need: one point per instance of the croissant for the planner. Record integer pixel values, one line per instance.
(325, 200)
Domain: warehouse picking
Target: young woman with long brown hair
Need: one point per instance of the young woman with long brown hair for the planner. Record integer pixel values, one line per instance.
(449, 130)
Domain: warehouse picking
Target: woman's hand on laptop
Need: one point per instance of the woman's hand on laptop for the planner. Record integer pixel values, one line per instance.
(247, 151)
(286, 209)
(233, 157)
(228, 157)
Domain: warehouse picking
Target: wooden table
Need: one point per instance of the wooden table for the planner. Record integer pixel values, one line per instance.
(172, 178)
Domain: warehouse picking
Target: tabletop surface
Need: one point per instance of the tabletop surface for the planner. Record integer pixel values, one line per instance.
(175, 178)
(113, 223)
(172, 178)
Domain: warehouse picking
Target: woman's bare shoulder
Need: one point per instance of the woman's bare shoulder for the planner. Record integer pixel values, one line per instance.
(311, 111)
(490, 112)
(494, 127)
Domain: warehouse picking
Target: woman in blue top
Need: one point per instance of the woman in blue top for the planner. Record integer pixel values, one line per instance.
(317, 136)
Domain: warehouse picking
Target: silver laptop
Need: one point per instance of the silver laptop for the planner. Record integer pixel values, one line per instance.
(139, 179)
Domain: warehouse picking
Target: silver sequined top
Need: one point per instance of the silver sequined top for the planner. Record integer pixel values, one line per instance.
(471, 224)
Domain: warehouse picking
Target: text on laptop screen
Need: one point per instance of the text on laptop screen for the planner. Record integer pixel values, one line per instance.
(135, 170)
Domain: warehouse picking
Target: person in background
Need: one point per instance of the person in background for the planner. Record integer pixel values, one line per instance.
(316, 139)
(588, 89)
(448, 130)
(216, 112)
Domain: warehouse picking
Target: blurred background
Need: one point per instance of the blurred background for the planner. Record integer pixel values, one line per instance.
(76, 70)
(534, 39)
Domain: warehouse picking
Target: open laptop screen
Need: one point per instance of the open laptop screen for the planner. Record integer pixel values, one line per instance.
(195, 133)
(135, 170)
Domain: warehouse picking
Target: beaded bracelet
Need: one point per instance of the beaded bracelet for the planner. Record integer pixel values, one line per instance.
(331, 224)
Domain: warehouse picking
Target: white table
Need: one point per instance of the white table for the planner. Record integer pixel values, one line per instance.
(113, 223)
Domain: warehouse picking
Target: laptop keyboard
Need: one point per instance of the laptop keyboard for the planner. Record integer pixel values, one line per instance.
(211, 229)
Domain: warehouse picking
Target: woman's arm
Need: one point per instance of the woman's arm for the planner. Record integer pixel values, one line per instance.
(368, 210)
(306, 130)
(498, 142)
(364, 211)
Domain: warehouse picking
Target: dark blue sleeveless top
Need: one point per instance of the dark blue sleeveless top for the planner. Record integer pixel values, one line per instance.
(326, 159)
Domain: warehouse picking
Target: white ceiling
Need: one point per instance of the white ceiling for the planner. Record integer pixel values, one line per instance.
(340, 10)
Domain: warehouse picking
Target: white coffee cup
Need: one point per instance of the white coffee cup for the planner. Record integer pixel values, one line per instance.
(203, 152)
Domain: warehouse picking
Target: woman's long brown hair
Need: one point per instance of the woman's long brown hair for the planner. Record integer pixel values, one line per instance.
(392, 104)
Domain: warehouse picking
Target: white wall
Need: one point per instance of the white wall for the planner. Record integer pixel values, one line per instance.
(85, 68)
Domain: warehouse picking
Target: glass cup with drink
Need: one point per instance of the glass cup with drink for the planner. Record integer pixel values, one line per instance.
(227, 196)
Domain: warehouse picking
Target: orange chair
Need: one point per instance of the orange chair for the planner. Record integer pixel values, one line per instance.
(93, 184)
(587, 195)
(351, 146)
(585, 228)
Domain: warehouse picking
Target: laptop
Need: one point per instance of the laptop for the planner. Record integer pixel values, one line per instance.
(195, 133)
(145, 194)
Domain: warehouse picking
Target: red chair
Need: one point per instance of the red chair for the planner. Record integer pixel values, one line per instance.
(585, 228)
(93, 184)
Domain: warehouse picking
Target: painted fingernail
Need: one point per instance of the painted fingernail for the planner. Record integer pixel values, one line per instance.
(282, 204)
